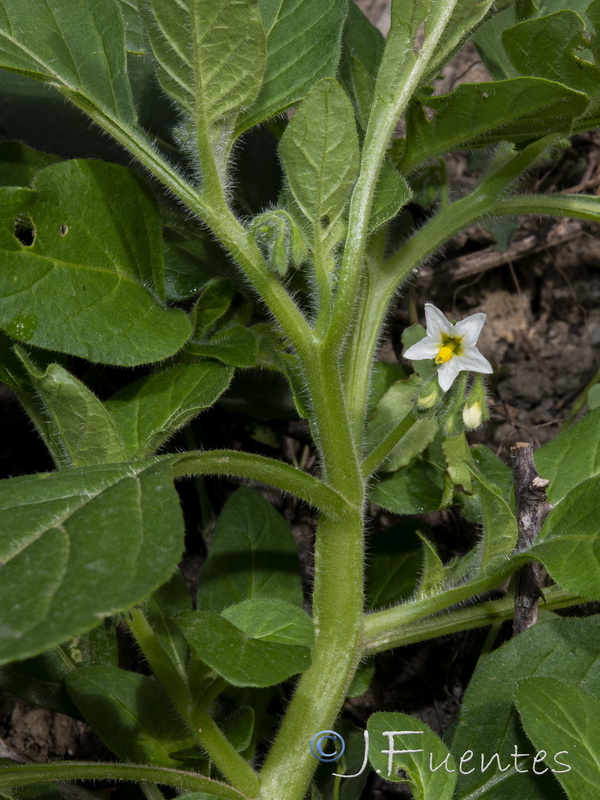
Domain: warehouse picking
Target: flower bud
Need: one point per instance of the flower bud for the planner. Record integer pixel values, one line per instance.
(475, 410)
(472, 416)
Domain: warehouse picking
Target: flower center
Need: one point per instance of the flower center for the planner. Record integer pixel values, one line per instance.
(450, 346)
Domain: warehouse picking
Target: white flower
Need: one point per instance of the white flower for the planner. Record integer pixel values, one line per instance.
(452, 345)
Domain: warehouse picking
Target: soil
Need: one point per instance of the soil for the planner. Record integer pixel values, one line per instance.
(542, 300)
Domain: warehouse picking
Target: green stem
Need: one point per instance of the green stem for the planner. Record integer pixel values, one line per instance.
(462, 619)
(383, 119)
(321, 691)
(260, 468)
(212, 740)
(30, 774)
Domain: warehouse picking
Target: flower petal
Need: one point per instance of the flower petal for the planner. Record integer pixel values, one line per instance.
(470, 328)
(436, 322)
(448, 372)
(425, 348)
(473, 361)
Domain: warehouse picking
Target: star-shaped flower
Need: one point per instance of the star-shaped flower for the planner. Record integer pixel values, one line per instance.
(452, 345)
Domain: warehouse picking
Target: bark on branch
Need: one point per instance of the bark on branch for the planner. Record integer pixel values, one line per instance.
(532, 508)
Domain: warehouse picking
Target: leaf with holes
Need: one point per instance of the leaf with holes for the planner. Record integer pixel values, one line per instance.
(97, 255)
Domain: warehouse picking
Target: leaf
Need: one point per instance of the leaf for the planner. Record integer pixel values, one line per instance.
(303, 46)
(458, 459)
(482, 114)
(393, 564)
(421, 755)
(500, 523)
(391, 194)
(395, 405)
(571, 458)
(40, 681)
(237, 346)
(241, 659)
(252, 554)
(561, 721)
(13, 204)
(210, 55)
(362, 679)
(272, 620)
(432, 571)
(361, 56)
(90, 261)
(20, 164)
(130, 713)
(214, 300)
(569, 539)
(79, 545)
(415, 489)
(80, 47)
(320, 152)
(566, 649)
(134, 26)
(146, 413)
(495, 472)
(169, 600)
(81, 425)
(548, 46)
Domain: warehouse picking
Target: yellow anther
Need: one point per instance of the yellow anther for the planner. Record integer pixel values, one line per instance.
(445, 353)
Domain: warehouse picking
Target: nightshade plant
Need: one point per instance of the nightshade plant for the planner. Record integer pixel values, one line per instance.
(201, 259)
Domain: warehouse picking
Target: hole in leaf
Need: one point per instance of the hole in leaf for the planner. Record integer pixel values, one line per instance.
(64, 229)
(24, 231)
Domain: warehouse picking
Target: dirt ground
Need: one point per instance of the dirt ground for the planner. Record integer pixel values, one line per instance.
(542, 298)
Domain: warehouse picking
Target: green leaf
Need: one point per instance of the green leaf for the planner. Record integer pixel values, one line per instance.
(210, 55)
(91, 261)
(130, 713)
(20, 164)
(40, 681)
(303, 46)
(134, 26)
(420, 749)
(252, 554)
(432, 571)
(146, 413)
(571, 458)
(500, 523)
(171, 599)
(13, 205)
(458, 459)
(272, 620)
(320, 152)
(80, 545)
(361, 56)
(395, 405)
(80, 48)
(566, 649)
(415, 489)
(237, 346)
(362, 679)
(562, 722)
(593, 397)
(569, 539)
(391, 194)
(482, 114)
(394, 564)
(495, 472)
(81, 425)
(214, 300)
(241, 659)
(548, 46)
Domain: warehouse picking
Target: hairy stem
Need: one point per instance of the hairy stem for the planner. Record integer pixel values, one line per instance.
(463, 619)
(30, 774)
(260, 468)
